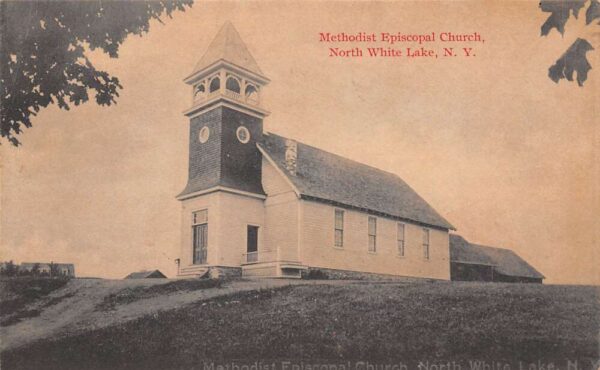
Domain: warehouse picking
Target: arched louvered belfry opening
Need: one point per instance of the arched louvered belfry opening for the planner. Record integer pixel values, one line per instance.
(251, 93)
(215, 84)
(199, 91)
(233, 84)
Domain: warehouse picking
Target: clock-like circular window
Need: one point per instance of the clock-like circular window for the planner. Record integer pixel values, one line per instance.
(203, 134)
(243, 134)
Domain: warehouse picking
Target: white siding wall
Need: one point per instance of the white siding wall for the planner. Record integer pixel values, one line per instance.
(237, 212)
(228, 217)
(273, 181)
(318, 245)
(303, 231)
(281, 214)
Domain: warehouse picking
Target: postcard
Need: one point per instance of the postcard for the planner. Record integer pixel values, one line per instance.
(300, 185)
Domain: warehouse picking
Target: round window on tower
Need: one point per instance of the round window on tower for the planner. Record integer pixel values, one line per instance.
(243, 134)
(203, 134)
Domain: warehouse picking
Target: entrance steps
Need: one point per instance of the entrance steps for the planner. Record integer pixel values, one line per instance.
(193, 271)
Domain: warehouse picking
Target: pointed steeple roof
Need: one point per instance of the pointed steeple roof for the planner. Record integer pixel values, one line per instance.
(228, 46)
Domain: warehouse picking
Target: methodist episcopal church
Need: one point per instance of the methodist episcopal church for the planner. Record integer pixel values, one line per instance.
(259, 204)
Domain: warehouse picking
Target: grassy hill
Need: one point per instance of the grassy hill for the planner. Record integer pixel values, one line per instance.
(406, 324)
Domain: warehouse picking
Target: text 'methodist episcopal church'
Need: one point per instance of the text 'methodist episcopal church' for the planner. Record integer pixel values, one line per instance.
(259, 204)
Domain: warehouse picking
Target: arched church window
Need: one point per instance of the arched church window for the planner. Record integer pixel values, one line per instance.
(199, 91)
(215, 84)
(251, 93)
(232, 85)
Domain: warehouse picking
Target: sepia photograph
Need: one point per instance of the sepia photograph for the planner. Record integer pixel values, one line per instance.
(300, 185)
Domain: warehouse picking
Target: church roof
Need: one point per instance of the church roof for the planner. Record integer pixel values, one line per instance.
(228, 46)
(324, 176)
(504, 261)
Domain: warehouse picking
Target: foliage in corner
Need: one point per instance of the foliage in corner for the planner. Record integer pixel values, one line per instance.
(574, 59)
(42, 53)
(560, 12)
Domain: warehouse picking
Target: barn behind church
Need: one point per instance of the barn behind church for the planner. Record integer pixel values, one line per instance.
(473, 262)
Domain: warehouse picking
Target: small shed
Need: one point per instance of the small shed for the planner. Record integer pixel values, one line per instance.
(473, 262)
(153, 274)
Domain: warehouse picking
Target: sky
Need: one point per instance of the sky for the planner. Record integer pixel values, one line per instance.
(510, 158)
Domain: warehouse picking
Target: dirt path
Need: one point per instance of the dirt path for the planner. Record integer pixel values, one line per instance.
(76, 310)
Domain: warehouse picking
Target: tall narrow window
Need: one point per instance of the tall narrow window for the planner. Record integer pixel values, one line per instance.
(200, 236)
(372, 234)
(426, 244)
(400, 240)
(339, 228)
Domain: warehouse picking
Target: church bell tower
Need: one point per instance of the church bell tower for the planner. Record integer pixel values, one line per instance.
(226, 119)
(223, 200)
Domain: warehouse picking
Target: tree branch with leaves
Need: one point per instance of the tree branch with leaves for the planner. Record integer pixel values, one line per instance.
(42, 53)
